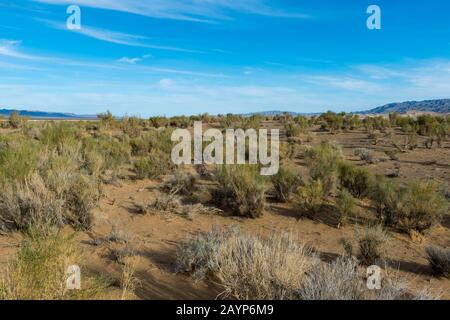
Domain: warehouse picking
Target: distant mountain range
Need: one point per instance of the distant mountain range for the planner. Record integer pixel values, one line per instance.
(435, 106)
(46, 115)
(431, 106)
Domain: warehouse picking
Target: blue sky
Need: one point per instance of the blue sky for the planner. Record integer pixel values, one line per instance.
(166, 57)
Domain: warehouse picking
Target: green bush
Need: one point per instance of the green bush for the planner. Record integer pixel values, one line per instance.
(385, 196)
(292, 129)
(356, 180)
(422, 207)
(18, 159)
(15, 121)
(62, 137)
(310, 198)
(113, 152)
(323, 162)
(372, 245)
(242, 189)
(38, 270)
(345, 205)
(154, 165)
(285, 183)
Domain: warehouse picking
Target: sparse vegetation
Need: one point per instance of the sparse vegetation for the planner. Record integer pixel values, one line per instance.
(248, 267)
(242, 189)
(323, 162)
(439, 259)
(38, 271)
(345, 205)
(55, 174)
(372, 244)
(356, 180)
(310, 198)
(286, 182)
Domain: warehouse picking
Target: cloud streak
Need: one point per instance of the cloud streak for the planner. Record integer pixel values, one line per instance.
(206, 11)
(115, 37)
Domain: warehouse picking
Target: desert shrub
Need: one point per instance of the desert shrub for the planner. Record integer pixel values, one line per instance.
(292, 129)
(180, 183)
(61, 198)
(28, 204)
(18, 159)
(15, 120)
(310, 198)
(159, 140)
(38, 271)
(154, 165)
(57, 172)
(80, 198)
(345, 205)
(422, 207)
(242, 189)
(356, 180)
(248, 267)
(339, 280)
(439, 259)
(364, 154)
(180, 122)
(62, 137)
(93, 162)
(322, 162)
(285, 183)
(132, 126)
(385, 196)
(343, 279)
(113, 152)
(416, 207)
(107, 119)
(372, 244)
(158, 122)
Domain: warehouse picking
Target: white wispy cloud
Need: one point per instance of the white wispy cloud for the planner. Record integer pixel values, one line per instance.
(189, 10)
(9, 48)
(343, 82)
(115, 37)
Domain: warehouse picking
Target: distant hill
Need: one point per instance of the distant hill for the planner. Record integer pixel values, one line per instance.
(47, 115)
(278, 113)
(437, 106)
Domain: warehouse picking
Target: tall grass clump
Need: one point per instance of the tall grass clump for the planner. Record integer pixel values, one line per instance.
(249, 267)
(372, 244)
(439, 259)
(18, 159)
(340, 280)
(38, 271)
(156, 164)
(285, 183)
(385, 196)
(29, 204)
(61, 137)
(242, 189)
(323, 162)
(105, 155)
(345, 205)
